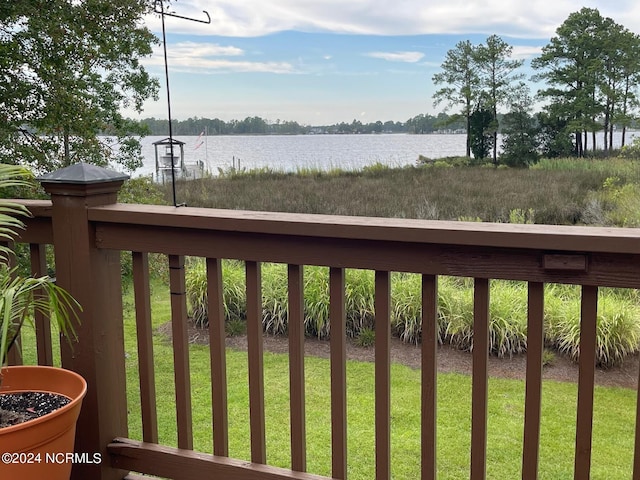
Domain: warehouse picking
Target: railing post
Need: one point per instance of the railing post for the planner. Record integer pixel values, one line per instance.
(92, 276)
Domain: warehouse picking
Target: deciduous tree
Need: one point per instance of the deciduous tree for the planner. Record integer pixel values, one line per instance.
(67, 68)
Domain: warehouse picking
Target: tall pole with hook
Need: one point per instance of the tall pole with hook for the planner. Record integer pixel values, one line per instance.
(158, 7)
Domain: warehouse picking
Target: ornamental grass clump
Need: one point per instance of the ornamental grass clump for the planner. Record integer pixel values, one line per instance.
(274, 298)
(618, 333)
(406, 307)
(359, 298)
(316, 302)
(507, 316)
(234, 293)
(617, 325)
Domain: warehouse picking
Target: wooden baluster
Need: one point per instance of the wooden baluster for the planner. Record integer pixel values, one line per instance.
(480, 379)
(42, 322)
(217, 352)
(181, 351)
(295, 317)
(338, 323)
(429, 375)
(144, 331)
(533, 393)
(256, 369)
(383, 374)
(586, 381)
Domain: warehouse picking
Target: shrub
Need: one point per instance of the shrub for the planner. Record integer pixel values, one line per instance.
(441, 164)
(520, 216)
(234, 328)
(376, 170)
(141, 190)
(548, 357)
(632, 150)
(366, 337)
(623, 202)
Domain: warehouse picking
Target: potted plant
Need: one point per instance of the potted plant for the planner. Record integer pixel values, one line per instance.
(39, 405)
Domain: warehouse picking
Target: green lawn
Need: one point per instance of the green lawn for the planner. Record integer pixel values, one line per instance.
(614, 416)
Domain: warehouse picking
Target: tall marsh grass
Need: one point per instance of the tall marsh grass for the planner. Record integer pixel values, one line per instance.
(618, 331)
(557, 196)
(628, 170)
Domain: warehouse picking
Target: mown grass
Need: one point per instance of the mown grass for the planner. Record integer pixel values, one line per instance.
(557, 196)
(614, 416)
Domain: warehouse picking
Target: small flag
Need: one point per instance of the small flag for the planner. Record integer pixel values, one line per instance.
(199, 141)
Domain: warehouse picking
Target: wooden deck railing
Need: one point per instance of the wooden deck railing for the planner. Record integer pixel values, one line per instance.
(89, 230)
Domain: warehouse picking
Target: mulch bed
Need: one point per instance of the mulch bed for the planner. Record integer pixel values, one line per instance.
(449, 359)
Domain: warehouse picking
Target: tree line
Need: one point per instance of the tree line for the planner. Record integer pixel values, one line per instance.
(422, 123)
(592, 71)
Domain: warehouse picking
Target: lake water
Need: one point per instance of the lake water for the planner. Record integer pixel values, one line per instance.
(322, 152)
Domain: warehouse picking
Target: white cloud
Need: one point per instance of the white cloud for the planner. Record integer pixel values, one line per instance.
(408, 57)
(537, 19)
(193, 49)
(523, 52)
(212, 58)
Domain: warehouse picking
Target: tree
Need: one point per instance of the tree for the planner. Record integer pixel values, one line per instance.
(67, 69)
(572, 64)
(520, 132)
(497, 73)
(460, 77)
(554, 136)
(630, 73)
(481, 127)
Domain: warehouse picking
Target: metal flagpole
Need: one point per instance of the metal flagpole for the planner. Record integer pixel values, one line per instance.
(158, 7)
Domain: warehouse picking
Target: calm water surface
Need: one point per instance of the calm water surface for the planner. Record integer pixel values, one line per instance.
(322, 152)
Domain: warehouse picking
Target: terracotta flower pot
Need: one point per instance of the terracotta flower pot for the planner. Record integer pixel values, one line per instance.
(37, 449)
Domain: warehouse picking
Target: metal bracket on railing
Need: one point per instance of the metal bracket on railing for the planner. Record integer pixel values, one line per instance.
(158, 7)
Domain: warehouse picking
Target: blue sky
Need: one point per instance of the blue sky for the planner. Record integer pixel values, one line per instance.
(327, 61)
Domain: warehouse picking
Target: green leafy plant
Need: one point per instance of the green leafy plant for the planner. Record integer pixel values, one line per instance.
(548, 357)
(617, 331)
(521, 216)
(235, 327)
(366, 337)
(20, 295)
